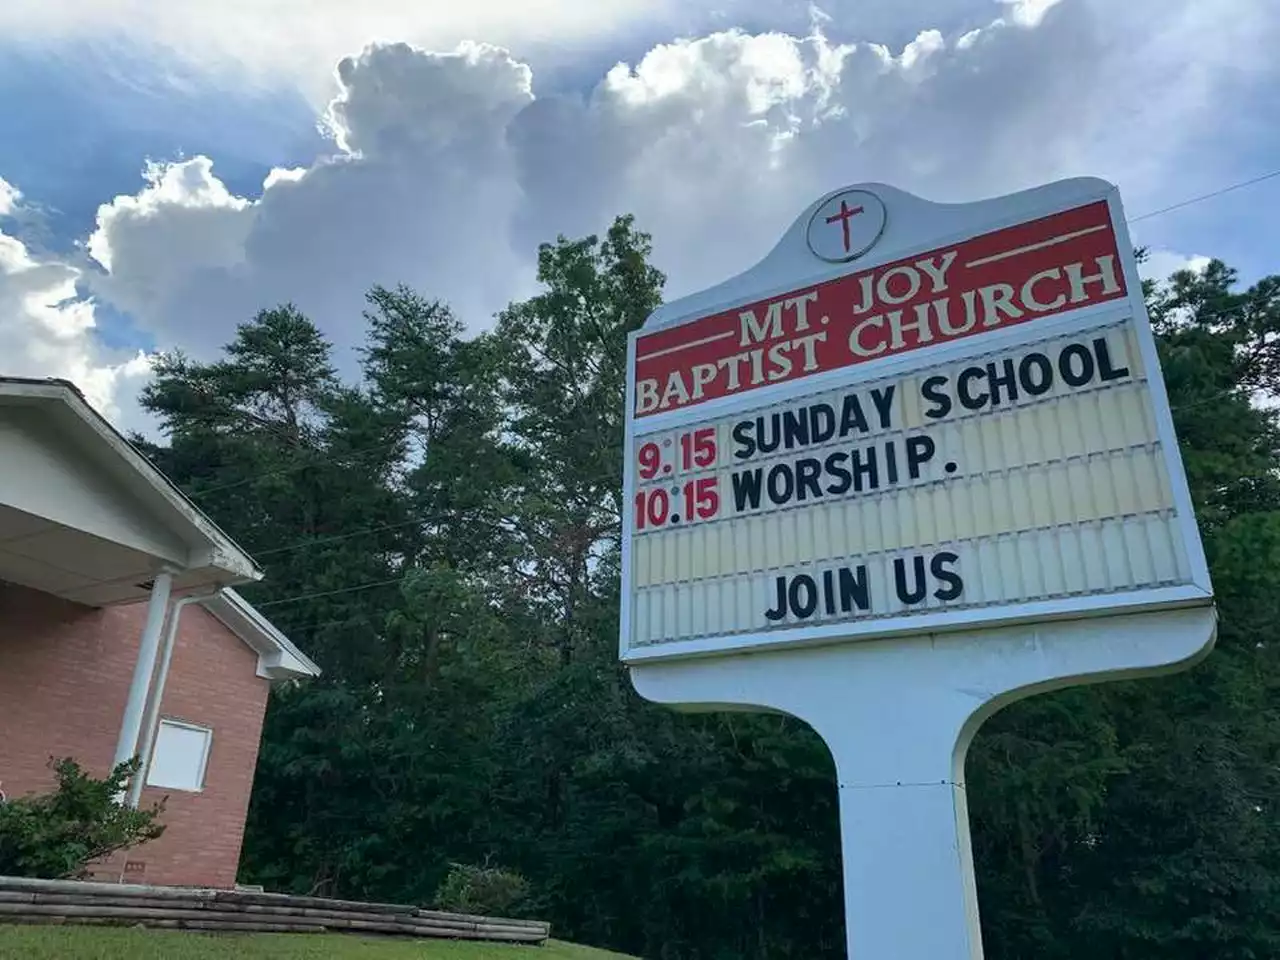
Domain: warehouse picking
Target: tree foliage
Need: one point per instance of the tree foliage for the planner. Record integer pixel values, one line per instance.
(482, 891)
(441, 533)
(59, 834)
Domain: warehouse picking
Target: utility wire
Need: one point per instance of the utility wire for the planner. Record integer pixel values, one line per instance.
(308, 542)
(1206, 196)
(334, 593)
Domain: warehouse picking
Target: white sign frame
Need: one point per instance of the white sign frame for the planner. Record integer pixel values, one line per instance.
(899, 709)
(791, 266)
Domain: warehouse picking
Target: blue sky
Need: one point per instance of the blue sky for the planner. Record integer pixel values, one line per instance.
(1169, 99)
(76, 123)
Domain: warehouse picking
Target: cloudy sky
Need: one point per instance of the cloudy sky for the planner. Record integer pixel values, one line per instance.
(168, 167)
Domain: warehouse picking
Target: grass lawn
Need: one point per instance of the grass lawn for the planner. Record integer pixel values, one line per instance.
(107, 943)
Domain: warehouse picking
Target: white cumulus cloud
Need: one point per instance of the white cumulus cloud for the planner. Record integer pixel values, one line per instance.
(1160, 265)
(421, 190)
(1029, 13)
(184, 215)
(46, 330)
(9, 197)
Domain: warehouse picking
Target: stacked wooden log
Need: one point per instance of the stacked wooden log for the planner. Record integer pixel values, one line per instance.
(116, 904)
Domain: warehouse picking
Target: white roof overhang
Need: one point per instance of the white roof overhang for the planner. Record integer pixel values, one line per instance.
(278, 658)
(86, 517)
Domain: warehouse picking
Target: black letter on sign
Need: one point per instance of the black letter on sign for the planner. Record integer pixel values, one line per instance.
(968, 399)
(795, 428)
(1041, 380)
(822, 422)
(843, 478)
(808, 470)
(742, 436)
(916, 592)
(803, 596)
(882, 397)
(920, 450)
(932, 390)
(1006, 378)
(746, 489)
(780, 611)
(939, 566)
(1105, 369)
(781, 483)
(854, 589)
(1072, 377)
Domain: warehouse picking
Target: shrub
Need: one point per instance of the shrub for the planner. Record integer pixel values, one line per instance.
(486, 891)
(57, 835)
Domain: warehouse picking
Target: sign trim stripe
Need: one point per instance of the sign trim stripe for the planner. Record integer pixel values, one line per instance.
(1052, 242)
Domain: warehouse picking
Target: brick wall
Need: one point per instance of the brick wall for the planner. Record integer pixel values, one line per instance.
(64, 676)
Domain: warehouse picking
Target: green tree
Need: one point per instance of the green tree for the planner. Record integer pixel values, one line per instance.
(564, 376)
(60, 834)
(293, 463)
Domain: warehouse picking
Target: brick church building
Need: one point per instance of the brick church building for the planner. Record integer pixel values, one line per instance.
(121, 635)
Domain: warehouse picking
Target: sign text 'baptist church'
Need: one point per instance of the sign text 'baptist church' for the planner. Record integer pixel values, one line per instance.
(1007, 277)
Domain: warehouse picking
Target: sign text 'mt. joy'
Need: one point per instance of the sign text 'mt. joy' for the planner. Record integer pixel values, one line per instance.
(1010, 276)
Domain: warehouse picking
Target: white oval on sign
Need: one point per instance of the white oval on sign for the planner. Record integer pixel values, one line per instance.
(846, 225)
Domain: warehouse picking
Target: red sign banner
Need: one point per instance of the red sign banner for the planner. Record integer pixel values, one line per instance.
(1015, 275)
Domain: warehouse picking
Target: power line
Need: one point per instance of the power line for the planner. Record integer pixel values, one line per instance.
(333, 593)
(1206, 196)
(308, 542)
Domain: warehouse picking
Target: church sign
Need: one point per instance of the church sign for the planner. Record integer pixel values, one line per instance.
(965, 431)
(916, 464)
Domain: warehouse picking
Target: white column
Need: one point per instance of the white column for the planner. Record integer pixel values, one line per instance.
(908, 868)
(157, 608)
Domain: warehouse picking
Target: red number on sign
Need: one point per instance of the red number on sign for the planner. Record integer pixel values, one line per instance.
(650, 461)
(702, 498)
(652, 508)
(659, 506)
(698, 448)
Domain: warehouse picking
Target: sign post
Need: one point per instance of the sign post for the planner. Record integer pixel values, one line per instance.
(916, 464)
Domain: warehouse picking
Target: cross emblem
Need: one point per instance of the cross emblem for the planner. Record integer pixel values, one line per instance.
(845, 214)
(856, 237)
